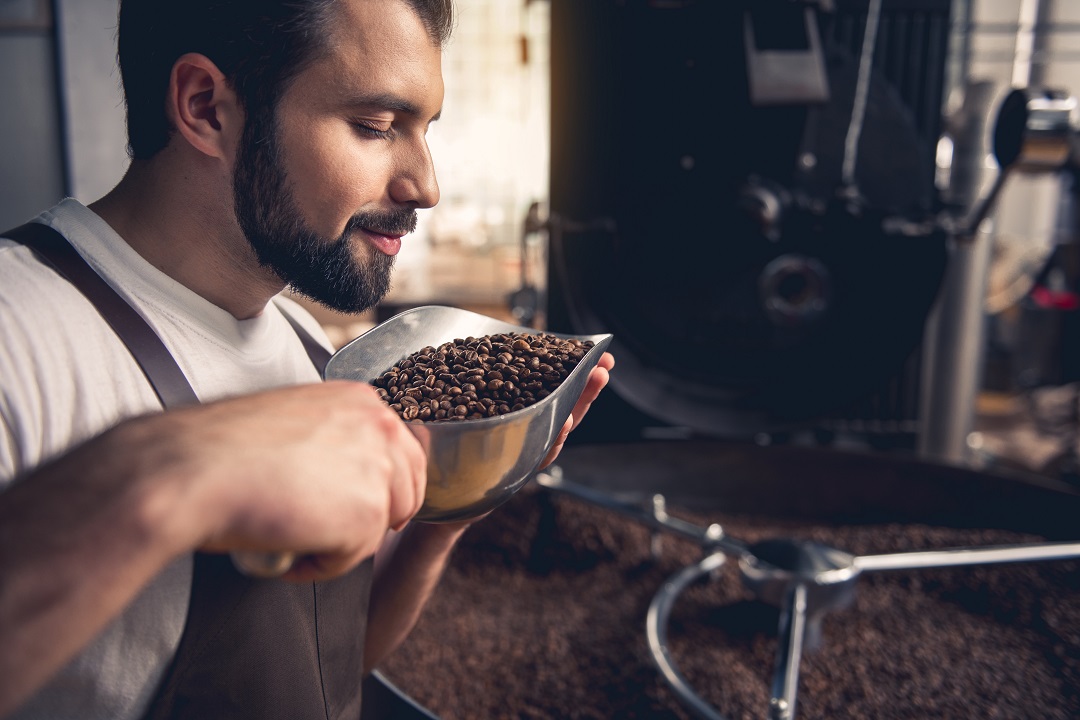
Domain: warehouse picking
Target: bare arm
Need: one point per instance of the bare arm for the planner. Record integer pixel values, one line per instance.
(321, 470)
(407, 570)
(72, 555)
(409, 565)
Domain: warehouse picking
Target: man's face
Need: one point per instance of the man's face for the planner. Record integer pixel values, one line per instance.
(326, 184)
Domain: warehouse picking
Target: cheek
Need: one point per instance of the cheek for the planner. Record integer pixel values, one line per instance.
(332, 177)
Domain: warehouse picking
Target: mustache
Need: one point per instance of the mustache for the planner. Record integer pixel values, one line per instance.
(400, 221)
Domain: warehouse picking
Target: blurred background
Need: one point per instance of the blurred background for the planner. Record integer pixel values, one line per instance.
(765, 201)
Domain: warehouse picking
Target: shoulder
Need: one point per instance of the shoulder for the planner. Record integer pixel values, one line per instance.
(38, 305)
(64, 374)
(30, 286)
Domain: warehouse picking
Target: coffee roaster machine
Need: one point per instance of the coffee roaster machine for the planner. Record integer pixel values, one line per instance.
(751, 197)
(744, 194)
(748, 196)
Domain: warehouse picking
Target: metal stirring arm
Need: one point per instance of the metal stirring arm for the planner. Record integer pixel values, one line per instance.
(656, 516)
(656, 624)
(954, 557)
(823, 581)
(789, 654)
(795, 621)
(794, 610)
(793, 618)
(792, 634)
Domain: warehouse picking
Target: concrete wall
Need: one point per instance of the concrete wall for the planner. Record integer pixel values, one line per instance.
(31, 162)
(93, 101)
(61, 119)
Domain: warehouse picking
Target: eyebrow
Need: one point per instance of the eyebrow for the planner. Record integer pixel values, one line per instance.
(388, 101)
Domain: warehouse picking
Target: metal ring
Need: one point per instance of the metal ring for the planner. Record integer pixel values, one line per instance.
(656, 623)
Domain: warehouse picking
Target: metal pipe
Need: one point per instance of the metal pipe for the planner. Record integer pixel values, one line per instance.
(954, 557)
(789, 649)
(1029, 65)
(955, 335)
(862, 94)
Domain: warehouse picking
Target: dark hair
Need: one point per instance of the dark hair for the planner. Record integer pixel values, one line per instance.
(260, 45)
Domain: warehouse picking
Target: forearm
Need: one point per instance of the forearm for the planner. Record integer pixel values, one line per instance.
(99, 513)
(407, 570)
(271, 472)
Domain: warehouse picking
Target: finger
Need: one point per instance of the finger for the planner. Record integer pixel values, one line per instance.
(598, 379)
(410, 481)
(560, 440)
(418, 455)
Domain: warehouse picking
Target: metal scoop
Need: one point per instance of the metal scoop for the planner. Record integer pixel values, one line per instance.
(473, 465)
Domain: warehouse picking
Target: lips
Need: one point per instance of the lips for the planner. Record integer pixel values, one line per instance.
(385, 242)
(383, 229)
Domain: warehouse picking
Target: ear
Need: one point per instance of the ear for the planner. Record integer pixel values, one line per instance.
(202, 106)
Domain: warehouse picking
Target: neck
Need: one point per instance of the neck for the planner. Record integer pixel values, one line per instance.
(181, 219)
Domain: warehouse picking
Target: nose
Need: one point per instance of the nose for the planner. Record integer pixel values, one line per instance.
(415, 184)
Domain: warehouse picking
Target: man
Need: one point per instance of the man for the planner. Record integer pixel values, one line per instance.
(273, 144)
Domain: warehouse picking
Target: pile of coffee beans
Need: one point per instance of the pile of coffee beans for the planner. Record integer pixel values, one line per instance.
(473, 378)
(541, 613)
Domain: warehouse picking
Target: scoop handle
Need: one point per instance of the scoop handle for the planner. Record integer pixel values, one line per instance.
(263, 564)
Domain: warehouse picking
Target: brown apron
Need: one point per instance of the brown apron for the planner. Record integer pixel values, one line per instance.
(266, 648)
(251, 648)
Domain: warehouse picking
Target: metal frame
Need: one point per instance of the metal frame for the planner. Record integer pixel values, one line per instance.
(820, 579)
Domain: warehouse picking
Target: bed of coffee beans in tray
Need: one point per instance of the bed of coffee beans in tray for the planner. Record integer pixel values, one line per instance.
(474, 378)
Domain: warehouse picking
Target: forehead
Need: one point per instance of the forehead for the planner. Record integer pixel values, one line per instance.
(381, 47)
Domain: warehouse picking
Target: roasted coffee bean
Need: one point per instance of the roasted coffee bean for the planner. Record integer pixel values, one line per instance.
(473, 378)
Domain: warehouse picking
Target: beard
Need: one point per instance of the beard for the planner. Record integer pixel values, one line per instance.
(322, 269)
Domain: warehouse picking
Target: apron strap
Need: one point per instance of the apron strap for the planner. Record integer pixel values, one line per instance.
(318, 354)
(165, 376)
(157, 363)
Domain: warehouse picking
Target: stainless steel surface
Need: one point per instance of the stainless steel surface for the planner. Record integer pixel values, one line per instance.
(955, 333)
(383, 700)
(1036, 131)
(772, 567)
(473, 465)
(1048, 137)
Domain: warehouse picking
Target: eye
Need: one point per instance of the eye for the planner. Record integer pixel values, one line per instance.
(366, 127)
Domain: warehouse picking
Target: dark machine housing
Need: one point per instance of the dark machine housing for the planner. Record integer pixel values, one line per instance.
(753, 222)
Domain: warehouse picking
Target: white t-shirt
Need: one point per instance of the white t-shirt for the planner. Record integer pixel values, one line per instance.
(65, 376)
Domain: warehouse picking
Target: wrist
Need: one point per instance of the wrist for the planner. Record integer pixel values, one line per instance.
(434, 537)
(419, 544)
